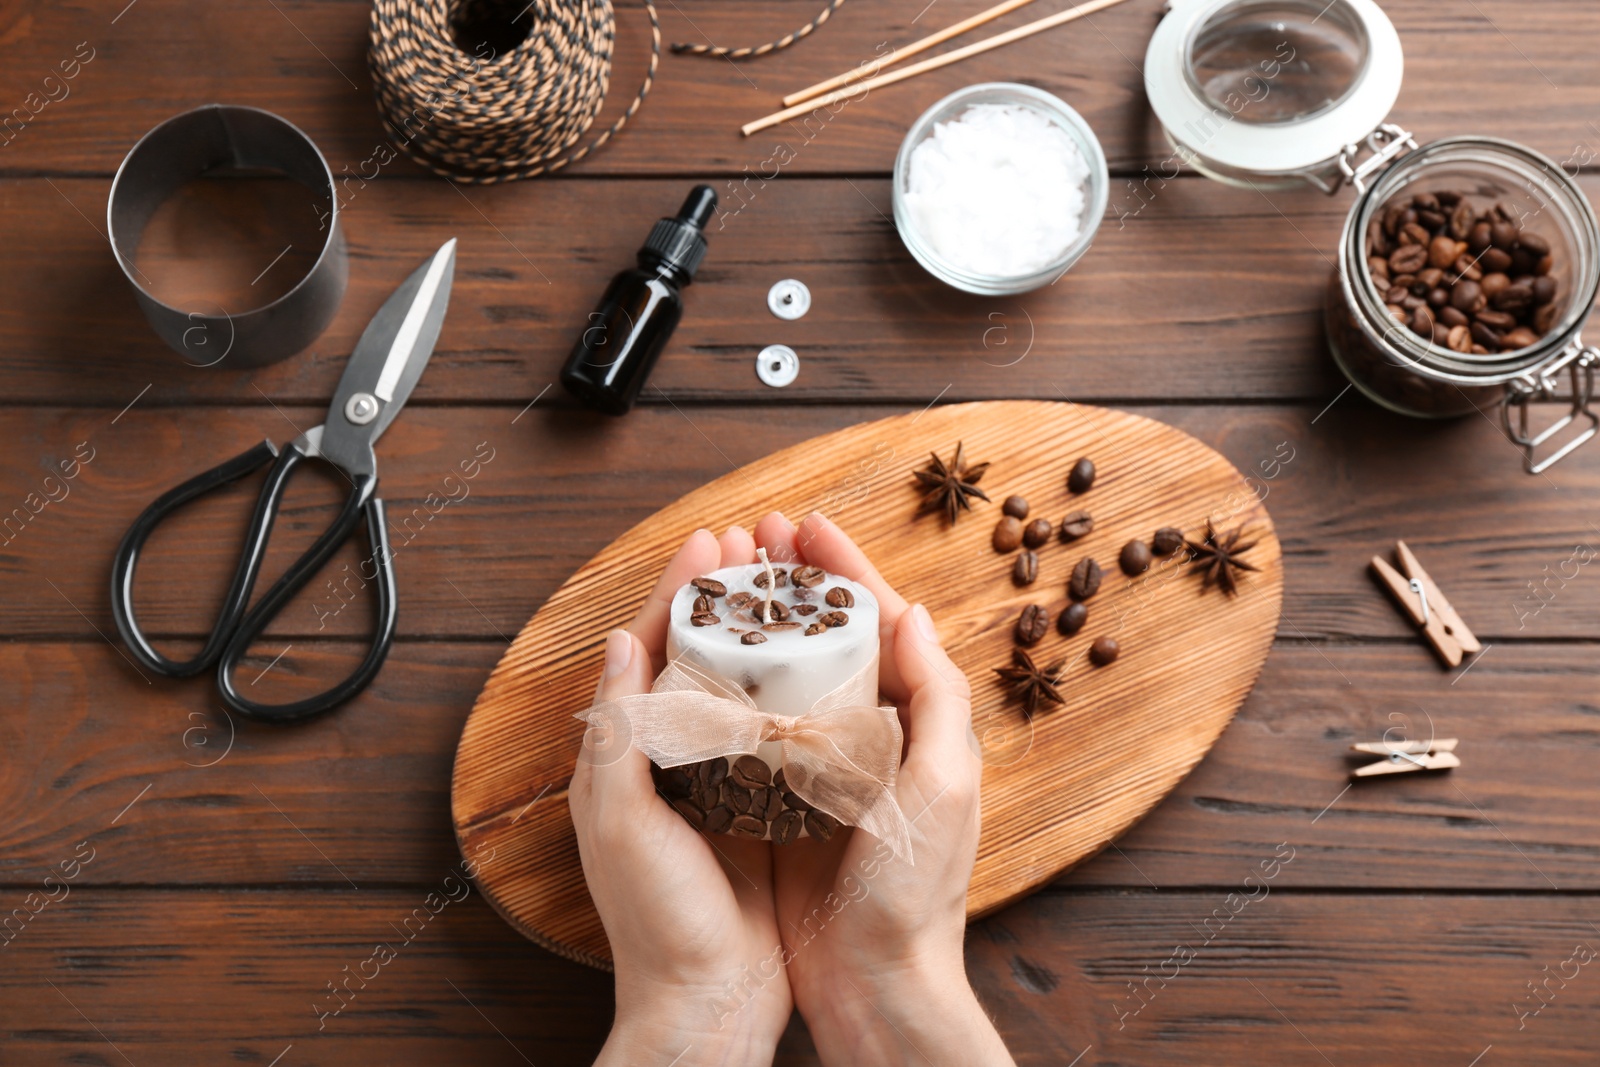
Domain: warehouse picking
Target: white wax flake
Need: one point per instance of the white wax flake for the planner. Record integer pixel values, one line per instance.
(998, 190)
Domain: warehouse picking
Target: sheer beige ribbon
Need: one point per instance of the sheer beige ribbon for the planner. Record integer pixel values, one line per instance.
(840, 756)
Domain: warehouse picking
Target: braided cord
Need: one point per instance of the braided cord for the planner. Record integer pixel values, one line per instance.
(759, 50)
(482, 119)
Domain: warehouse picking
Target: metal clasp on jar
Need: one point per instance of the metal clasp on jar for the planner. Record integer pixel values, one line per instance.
(1387, 143)
(1540, 384)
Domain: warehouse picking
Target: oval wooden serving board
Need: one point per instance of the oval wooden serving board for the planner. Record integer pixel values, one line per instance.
(1057, 789)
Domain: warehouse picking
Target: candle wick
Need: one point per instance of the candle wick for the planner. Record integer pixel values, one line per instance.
(766, 605)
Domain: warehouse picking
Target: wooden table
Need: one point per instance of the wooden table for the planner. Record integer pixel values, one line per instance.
(229, 885)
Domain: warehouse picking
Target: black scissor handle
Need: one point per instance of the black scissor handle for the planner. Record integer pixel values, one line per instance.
(361, 501)
(238, 595)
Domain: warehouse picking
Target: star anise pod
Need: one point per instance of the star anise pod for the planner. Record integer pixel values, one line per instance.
(947, 487)
(1032, 683)
(1218, 557)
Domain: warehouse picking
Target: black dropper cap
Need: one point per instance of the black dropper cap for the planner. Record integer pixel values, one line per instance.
(680, 242)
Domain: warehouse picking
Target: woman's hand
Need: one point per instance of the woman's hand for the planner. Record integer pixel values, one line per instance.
(689, 916)
(873, 945)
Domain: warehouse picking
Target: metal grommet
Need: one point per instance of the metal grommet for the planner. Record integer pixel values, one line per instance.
(777, 365)
(361, 409)
(789, 299)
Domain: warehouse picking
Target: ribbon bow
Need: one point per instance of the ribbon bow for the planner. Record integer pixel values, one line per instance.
(841, 755)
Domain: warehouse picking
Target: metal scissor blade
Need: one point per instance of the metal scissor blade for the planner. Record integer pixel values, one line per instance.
(390, 357)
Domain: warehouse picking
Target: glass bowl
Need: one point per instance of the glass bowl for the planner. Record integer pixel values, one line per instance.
(1095, 191)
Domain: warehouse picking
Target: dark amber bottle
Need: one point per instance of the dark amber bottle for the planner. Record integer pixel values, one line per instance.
(626, 332)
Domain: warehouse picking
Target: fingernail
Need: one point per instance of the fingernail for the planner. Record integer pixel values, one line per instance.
(924, 623)
(619, 653)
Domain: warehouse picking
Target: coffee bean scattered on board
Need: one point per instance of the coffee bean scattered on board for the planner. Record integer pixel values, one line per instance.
(1168, 539)
(1036, 533)
(786, 826)
(806, 577)
(753, 637)
(750, 772)
(1025, 571)
(840, 597)
(1077, 524)
(1007, 534)
(709, 586)
(1085, 581)
(816, 628)
(780, 578)
(1104, 651)
(1072, 618)
(1032, 625)
(1082, 476)
(1135, 558)
(705, 618)
(833, 618)
(1016, 507)
(821, 825)
(703, 603)
(718, 819)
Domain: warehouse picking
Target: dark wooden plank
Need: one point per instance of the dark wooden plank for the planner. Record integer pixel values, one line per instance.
(364, 794)
(559, 484)
(1278, 980)
(1206, 294)
(1497, 67)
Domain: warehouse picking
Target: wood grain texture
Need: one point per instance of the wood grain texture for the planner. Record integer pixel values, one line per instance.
(226, 976)
(1057, 787)
(1342, 483)
(1499, 67)
(1192, 291)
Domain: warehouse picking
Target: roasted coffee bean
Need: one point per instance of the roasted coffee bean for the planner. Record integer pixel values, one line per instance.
(710, 586)
(703, 603)
(1085, 580)
(779, 627)
(786, 827)
(816, 628)
(1503, 235)
(1104, 651)
(1544, 289)
(1016, 507)
(1514, 298)
(1498, 321)
(833, 618)
(777, 611)
(1396, 294)
(1494, 283)
(705, 618)
(1521, 337)
(1544, 318)
(1443, 251)
(1135, 558)
(1534, 243)
(1495, 261)
(805, 609)
(1451, 317)
(1412, 303)
(1082, 475)
(1459, 339)
(1408, 259)
(735, 797)
(1479, 237)
(767, 803)
(840, 597)
(821, 825)
(1438, 298)
(1461, 220)
(718, 819)
(1007, 534)
(1378, 267)
(711, 772)
(753, 637)
(1025, 571)
(747, 826)
(1465, 267)
(791, 799)
(740, 599)
(1430, 219)
(1077, 524)
(1413, 232)
(1072, 618)
(807, 577)
(691, 814)
(751, 772)
(1036, 533)
(780, 578)
(1441, 333)
(1448, 198)
(1168, 539)
(1467, 297)
(1485, 336)
(675, 782)
(1031, 625)
(1422, 322)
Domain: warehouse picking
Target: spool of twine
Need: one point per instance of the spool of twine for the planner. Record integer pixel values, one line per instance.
(482, 114)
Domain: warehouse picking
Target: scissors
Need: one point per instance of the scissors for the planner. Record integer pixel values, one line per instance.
(377, 380)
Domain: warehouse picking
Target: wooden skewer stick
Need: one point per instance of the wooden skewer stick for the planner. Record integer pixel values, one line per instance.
(905, 51)
(1058, 19)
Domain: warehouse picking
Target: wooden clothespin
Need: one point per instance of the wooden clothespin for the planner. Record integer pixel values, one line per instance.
(1403, 756)
(1426, 606)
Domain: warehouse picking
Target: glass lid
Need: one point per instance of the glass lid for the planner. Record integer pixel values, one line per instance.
(1272, 87)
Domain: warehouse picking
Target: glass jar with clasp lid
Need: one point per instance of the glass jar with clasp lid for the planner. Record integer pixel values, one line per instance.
(1274, 93)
